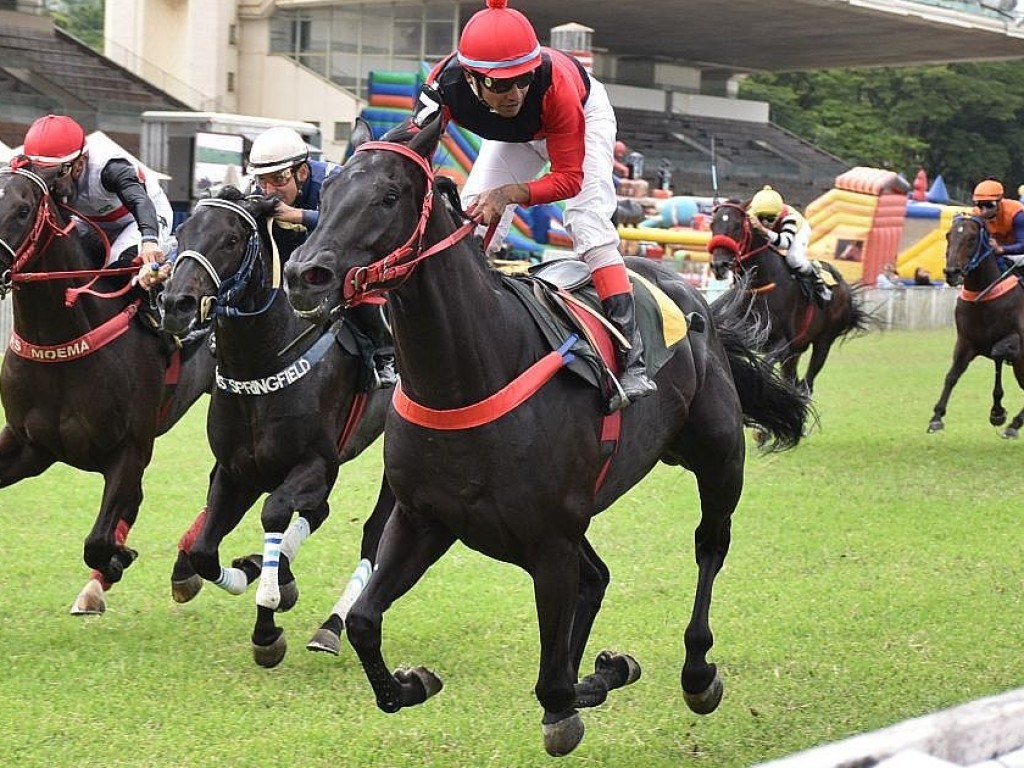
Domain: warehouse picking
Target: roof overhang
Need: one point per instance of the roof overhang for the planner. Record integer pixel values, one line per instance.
(745, 36)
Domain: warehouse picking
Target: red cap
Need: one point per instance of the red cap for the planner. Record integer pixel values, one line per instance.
(499, 42)
(54, 140)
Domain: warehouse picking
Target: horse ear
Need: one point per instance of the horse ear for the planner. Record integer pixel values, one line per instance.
(361, 133)
(425, 141)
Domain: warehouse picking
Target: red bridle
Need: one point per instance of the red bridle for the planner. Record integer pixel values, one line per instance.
(378, 277)
(740, 249)
(44, 228)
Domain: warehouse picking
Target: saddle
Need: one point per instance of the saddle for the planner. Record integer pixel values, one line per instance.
(560, 297)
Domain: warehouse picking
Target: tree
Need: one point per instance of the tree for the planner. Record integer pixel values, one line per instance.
(81, 18)
(960, 120)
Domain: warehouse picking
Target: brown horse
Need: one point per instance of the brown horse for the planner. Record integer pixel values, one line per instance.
(86, 384)
(989, 317)
(796, 322)
(471, 455)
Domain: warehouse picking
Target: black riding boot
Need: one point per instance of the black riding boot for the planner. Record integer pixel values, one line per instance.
(369, 318)
(633, 379)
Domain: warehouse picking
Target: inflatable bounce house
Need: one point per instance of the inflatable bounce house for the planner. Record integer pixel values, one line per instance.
(392, 96)
(871, 218)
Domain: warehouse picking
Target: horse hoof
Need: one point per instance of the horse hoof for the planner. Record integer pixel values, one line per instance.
(622, 663)
(289, 596)
(90, 601)
(187, 589)
(430, 682)
(935, 426)
(1010, 433)
(324, 641)
(269, 656)
(706, 702)
(997, 419)
(563, 736)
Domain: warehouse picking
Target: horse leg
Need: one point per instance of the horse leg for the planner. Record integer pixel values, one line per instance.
(997, 416)
(19, 459)
(819, 354)
(104, 550)
(305, 490)
(409, 545)
(227, 501)
(962, 356)
(328, 637)
(789, 369)
(611, 670)
(1012, 432)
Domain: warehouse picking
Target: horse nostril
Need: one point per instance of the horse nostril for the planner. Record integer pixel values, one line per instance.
(317, 276)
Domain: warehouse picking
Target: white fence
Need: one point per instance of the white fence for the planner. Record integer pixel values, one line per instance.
(914, 308)
(987, 733)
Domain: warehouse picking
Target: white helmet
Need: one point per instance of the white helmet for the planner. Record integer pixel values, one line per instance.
(276, 149)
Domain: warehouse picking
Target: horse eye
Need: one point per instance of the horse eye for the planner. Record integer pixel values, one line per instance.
(390, 198)
(24, 210)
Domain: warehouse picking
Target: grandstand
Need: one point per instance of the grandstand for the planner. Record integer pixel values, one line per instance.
(746, 154)
(43, 69)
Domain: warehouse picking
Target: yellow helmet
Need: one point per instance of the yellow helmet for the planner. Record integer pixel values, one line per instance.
(767, 202)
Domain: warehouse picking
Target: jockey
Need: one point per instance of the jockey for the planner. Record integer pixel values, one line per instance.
(534, 105)
(1004, 220)
(279, 160)
(789, 232)
(109, 191)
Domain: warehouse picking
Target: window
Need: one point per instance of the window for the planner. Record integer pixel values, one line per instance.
(233, 34)
(346, 43)
(342, 132)
(231, 82)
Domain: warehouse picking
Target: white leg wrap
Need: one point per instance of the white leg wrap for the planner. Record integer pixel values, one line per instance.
(297, 533)
(355, 587)
(268, 595)
(232, 580)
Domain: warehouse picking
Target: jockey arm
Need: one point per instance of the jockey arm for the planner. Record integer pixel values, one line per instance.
(1016, 248)
(120, 177)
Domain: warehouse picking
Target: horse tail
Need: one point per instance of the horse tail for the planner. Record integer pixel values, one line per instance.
(859, 319)
(769, 402)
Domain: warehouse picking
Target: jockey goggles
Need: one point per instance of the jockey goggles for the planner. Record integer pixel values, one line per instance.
(767, 218)
(505, 84)
(277, 179)
(987, 204)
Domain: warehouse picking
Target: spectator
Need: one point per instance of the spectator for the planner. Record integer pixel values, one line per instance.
(888, 279)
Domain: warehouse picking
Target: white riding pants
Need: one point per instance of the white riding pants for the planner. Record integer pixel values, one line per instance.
(588, 215)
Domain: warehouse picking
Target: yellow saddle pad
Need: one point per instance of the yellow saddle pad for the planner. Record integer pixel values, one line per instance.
(673, 321)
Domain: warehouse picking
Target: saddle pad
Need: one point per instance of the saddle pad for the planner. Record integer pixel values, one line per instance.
(826, 274)
(673, 321)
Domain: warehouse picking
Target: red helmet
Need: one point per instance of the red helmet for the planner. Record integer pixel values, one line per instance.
(54, 140)
(499, 42)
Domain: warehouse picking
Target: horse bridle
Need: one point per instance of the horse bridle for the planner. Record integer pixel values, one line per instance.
(45, 226)
(740, 249)
(378, 277)
(227, 292)
(982, 249)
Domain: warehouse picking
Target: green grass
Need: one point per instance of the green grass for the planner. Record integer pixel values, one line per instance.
(875, 575)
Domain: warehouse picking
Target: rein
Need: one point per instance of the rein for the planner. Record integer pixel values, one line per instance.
(44, 229)
(375, 279)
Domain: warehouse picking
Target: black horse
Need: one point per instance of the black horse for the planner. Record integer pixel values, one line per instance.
(86, 384)
(519, 477)
(796, 321)
(290, 405)
(989, 317)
